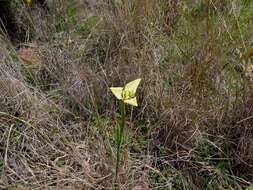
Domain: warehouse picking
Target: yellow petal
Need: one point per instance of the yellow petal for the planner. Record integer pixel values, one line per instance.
(132, 86)
(117, 91)
(29, 2)
(132, 101)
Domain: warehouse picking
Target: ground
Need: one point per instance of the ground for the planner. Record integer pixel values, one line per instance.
(192, 128)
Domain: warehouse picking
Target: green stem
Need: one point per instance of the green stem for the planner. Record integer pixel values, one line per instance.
(120, 137)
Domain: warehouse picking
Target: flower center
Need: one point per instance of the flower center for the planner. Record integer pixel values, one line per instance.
(127, 95)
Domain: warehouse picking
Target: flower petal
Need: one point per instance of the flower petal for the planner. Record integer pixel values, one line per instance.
(132, 86)
(117, 91)
(132, 101)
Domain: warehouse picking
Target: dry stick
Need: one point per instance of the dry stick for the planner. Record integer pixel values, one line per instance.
(245, 119)
(27, 123)
(7, 147)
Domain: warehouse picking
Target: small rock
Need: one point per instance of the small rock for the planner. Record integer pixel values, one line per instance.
(29, 55)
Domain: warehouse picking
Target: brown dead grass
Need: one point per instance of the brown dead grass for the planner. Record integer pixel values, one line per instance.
(49, 133)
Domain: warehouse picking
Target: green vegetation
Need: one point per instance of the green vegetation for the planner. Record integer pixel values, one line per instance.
(59, 121)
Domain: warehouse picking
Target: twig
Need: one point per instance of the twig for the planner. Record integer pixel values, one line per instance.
(7, 147)
(245, 119)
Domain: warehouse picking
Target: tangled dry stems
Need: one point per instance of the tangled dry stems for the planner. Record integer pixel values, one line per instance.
(184, 103)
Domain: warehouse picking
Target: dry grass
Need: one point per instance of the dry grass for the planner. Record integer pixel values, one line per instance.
(193, 128)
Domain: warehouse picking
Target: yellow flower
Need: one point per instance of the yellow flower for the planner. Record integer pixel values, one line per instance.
(29, 2)
(127, 93)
